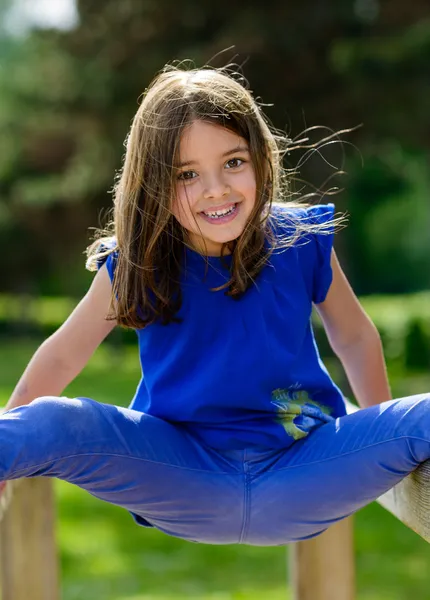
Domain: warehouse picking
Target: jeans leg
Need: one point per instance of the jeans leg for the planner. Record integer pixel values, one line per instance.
(150, 467)
(337, 469)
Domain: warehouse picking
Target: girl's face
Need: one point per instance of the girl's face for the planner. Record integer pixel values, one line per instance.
(215, 186)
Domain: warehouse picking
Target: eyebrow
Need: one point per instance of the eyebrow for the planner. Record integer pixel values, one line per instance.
(239, 148)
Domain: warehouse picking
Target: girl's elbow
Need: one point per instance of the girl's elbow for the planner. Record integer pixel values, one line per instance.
(366, 336)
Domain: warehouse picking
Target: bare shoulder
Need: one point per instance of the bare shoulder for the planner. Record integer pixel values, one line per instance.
(343, 317)
(87, 326)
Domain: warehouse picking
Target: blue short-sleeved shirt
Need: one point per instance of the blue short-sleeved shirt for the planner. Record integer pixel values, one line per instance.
(244, 373)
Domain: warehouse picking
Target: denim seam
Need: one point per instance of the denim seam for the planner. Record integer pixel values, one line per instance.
(214, 472)
(245, 521)
(220, 472)
(315, 462)
(410, 449)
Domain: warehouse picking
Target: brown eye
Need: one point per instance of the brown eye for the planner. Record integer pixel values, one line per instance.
(187, 175)
(233, 163)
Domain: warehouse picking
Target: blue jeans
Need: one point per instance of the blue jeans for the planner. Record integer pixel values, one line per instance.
(166, 478)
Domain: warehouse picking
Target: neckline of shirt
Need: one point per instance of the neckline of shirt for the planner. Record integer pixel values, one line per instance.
(195, 258)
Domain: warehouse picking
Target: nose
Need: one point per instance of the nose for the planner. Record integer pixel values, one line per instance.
(215, 187)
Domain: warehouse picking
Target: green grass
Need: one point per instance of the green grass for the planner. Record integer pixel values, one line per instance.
(105, 556)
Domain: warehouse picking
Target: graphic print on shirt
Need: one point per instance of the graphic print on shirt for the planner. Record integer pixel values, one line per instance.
(294, 403)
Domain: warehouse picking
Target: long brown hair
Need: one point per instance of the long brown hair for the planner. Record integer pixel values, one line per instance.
(148, 240)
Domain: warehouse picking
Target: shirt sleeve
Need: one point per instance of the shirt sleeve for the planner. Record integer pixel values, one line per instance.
(110, 260)
(319, 249)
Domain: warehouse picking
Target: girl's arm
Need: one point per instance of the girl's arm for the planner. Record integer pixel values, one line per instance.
(64, 354)
(355, 340)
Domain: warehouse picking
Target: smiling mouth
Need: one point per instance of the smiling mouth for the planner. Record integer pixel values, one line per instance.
(219, 214)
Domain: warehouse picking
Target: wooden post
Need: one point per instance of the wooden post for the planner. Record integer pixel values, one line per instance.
(323, 568)
(28, 557)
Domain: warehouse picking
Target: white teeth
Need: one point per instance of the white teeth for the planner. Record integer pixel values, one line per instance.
(220, 213)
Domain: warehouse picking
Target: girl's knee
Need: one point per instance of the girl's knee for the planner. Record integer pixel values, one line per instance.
(63, 416)
(413, 416)
(413, 404)
(56, 406)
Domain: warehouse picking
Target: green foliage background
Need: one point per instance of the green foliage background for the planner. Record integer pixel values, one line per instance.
(68, 98)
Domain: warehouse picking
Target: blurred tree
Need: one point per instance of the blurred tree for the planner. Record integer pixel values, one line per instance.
(389, 199)
(417, 346)
(68, 99)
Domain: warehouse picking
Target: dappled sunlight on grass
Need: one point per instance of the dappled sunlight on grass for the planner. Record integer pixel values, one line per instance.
(101, 541)
(389, 556)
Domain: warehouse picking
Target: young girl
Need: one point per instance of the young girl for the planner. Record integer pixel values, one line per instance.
(236, 434)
